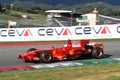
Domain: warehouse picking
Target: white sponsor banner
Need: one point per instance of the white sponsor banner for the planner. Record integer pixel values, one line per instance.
(60, 33)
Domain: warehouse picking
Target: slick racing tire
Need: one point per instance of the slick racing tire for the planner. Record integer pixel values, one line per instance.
(31, 49)
(46, 56)
(97, 53)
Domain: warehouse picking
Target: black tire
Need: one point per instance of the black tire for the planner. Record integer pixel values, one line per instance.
(46, 56)
(97, 53)
(31, 49)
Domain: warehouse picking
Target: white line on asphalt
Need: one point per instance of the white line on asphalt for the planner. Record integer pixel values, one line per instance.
(116, 58)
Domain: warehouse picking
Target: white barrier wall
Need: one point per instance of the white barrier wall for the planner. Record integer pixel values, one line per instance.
(60, 33)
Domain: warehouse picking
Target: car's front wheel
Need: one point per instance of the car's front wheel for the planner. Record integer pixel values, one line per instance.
(46, 56)
(97, 53)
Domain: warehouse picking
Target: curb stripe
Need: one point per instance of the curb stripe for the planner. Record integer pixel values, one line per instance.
(64, 64)
(5, 69)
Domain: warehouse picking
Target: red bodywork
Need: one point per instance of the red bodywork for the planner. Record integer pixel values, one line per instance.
(71, 50)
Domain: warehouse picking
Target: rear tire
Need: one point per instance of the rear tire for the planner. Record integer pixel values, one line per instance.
(97, 53)
(46, 56)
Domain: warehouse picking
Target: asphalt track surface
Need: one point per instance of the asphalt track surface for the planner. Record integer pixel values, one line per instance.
(9, 54)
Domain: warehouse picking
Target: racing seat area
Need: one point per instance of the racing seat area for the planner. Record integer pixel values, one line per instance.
(73, 44)
(80, 43)
(76, 44)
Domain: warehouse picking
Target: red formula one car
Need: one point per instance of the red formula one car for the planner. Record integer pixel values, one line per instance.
(71, 50)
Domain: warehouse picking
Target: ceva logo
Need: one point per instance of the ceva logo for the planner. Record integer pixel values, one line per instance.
(15, 32)
(67, 32)
(105, 30)
(73, 31)
(53, 31)
(27, 33)
(92, 30)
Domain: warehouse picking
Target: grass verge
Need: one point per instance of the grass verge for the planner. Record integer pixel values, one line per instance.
(98, 72)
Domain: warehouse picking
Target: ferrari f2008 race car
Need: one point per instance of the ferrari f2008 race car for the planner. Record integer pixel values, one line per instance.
(71, 50)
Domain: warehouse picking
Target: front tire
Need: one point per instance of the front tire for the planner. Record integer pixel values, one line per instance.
(97, 53)
(46, 56)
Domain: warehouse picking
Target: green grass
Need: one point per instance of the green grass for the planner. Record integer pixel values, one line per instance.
(34, 20)
(34, 16)
(113, 78)
(98, 72)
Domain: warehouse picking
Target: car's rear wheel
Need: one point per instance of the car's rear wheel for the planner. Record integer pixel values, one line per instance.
(46, 56)
(97, 53)
(31, 49)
